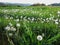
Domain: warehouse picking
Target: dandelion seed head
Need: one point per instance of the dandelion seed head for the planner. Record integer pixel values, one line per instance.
(10, 34)
(39, 37)
(7, 28)
(18, 25)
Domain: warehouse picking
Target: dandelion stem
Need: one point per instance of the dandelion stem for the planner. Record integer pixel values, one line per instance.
(10, 41)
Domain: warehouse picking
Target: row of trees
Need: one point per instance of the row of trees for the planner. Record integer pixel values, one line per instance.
(38, 4)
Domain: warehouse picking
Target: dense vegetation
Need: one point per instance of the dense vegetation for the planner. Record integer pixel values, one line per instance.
(30, 25)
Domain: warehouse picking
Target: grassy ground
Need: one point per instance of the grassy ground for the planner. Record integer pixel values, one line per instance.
(22, 25)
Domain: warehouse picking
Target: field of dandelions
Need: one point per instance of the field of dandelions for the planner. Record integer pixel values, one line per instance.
(30, 26)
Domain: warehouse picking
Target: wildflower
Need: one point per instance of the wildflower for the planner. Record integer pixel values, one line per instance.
(50, 14)
(7, 28)
(10, 34)
(56, 22)
(58, 12)
(29, 18)
(47, 18)
(43, 34)
(13, 29)
(59, 20)
(10, 24)
(21, 17)
(39, 37)
(50, 18)
(5, 11)
(17, 20)
(33, 19)
(18, 25)
(11, 17)
(44, 20)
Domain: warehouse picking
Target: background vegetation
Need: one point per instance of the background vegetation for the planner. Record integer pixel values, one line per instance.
(30, 22)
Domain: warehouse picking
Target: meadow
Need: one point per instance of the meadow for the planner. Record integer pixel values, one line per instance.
(33, 25)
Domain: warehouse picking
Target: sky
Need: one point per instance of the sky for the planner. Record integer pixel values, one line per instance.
(31, 1)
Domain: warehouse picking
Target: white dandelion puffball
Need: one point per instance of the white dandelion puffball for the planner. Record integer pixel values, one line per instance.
(33, 19)
(17, 20)
(10, 24)
(56, 22)
(21, 17)
(39, 37)
(18, 25)
(11, 17)
(58, 12)
(13, 29)
(10, 34)
(7, 28)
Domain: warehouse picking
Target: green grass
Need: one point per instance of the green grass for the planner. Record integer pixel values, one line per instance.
(33, 20)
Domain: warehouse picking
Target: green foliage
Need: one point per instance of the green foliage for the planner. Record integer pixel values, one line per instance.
(33, 21)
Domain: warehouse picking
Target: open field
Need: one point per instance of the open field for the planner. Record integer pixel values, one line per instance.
(33, 25)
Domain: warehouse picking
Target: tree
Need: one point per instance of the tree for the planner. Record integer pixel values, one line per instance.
(38, 4)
